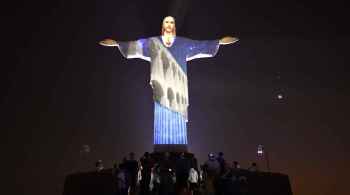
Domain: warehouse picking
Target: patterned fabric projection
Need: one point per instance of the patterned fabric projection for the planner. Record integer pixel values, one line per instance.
(169, 126)
(169, 81)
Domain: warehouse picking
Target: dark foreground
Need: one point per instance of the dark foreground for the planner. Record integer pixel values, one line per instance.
(258, 183)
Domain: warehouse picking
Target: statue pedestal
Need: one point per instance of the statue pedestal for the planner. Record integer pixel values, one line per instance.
(174, 151)
(177, 148)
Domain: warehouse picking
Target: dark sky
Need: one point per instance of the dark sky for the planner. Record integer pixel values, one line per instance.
(62, 90)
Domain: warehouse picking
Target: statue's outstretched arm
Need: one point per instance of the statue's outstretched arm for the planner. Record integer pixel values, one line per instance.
(227, 40)
(109, 43)
(130, 49)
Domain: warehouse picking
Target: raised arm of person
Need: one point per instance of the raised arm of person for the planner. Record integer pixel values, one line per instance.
(130, 49)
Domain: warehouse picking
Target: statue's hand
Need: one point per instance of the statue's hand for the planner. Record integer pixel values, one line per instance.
(108, 43)
(227, 40)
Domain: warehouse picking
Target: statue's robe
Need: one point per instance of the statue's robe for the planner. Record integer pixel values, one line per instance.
(169, 80)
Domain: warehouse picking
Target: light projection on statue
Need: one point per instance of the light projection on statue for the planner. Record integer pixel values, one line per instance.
(168, 55)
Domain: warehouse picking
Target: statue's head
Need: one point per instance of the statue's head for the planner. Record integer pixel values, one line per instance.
(168, 26)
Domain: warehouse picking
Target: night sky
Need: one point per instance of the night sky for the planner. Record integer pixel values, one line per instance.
(63, 90)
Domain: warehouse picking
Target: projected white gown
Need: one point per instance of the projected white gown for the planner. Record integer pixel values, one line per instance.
(169, 80)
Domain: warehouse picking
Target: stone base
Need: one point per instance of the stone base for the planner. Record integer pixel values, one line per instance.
(170, 148)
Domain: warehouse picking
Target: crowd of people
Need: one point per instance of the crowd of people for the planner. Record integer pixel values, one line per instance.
(177, 174)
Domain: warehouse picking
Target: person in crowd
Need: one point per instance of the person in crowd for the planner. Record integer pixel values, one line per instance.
(139, 174)
(122, 182)
(166, 163)
(115, 171)
(166, 174)
(155, 180)
(146, 164)
(213, 166)
(227, 171)
(193, 180)
(131, 166)
(99, 166)
(138, 179)
(213, 172)
(226, 182)
(253, 167)
(218, 182)
(182, 169)
(202, 177)
(221, 161)
(236, 165)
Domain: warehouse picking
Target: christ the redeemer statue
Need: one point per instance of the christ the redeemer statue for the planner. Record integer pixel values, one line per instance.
(168, 55)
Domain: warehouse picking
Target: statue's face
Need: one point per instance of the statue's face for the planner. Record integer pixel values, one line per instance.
(169, 25)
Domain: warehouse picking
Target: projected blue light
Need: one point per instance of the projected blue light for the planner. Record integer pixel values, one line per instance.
(169, 126)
